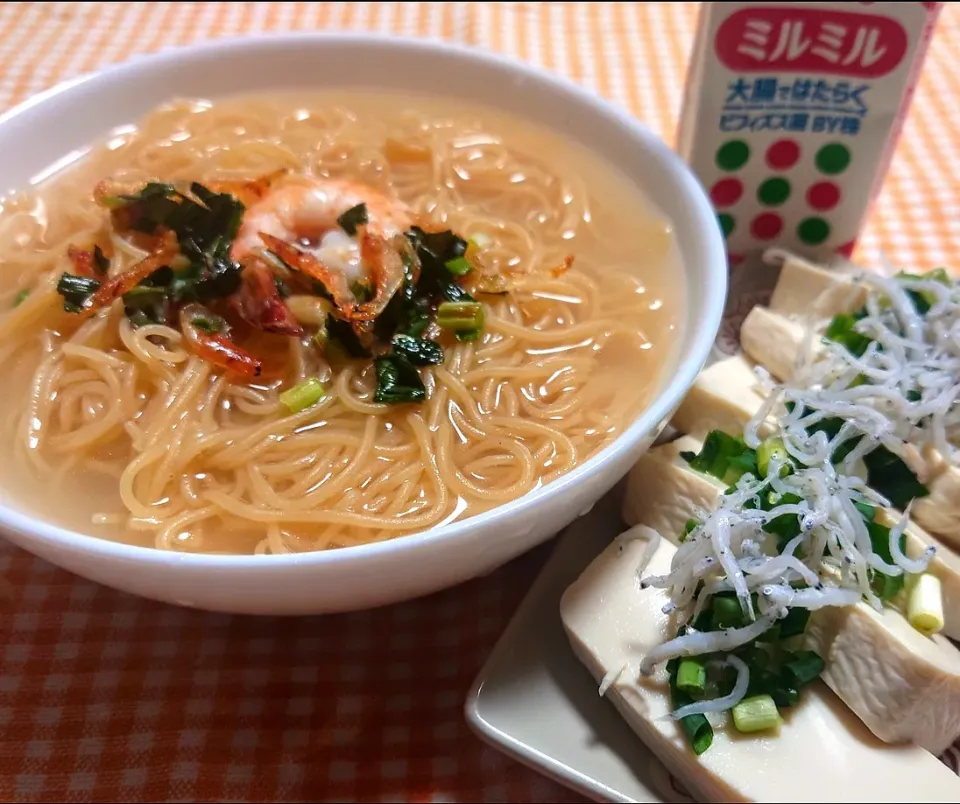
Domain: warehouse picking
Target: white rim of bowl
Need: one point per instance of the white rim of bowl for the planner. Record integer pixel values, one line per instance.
(702, 340)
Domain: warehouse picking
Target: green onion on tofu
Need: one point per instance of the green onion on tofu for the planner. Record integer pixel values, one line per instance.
(925, 604)
(758, 713)
(691, 677)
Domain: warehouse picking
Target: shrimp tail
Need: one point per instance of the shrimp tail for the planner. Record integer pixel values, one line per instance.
(312, 266)
(258, 302)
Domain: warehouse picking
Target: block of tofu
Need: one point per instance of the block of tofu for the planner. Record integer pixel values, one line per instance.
(903, 685)
(820, 752)
(804, 289)
(939, 511)
(663, 492)
(772, 341)
(719, 399)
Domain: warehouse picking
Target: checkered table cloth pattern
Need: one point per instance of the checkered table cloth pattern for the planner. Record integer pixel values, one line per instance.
(105, 697)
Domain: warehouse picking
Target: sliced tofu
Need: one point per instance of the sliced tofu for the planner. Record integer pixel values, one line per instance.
(821, 751)
(719, 399)
(939, 511)
(663, 492)
(772, 340)
(804, 289)
(903, 685)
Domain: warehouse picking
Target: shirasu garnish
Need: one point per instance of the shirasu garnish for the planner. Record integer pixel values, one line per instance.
(892, 371)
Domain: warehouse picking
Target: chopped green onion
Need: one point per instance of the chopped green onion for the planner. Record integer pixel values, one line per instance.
(210, 324)
(769, 449)
(460, 316)
(398, 381)
(795, 623)
(691, 677)
(21, 297)
(726, 613)
(925, 604)
(699, 732)
(144, 295)
(803, 668)
(697, 728)
(689, 527)
(458, 266)
(352, 218)
(321, 338)
(419, 351)
(468, 335)
(76, 290)
(303, 395)
(785, 696)
(842, 330)
(724, 457)
(758, 713)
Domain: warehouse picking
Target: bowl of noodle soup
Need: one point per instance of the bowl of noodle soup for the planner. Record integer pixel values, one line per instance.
(280, 337)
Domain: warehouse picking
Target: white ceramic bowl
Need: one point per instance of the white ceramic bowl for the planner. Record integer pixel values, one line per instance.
(71, 116)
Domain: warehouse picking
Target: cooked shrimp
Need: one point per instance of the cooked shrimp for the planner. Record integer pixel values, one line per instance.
(304, 214)
(216, 347)
(113, 289)
(258, 301)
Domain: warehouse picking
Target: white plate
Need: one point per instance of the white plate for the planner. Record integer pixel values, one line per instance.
(534, 701)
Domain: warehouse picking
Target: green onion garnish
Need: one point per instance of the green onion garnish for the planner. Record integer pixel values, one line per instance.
(460, 316)
(21, 297)
(803, 668)
(699, 732)
(758, 713)
(795, 623)
(785, 696)
(691, 677)
(303, 395)
(210, 324)
(458, 266)
(925, 604)
(769, 449)
(726, 613)
(76, 290)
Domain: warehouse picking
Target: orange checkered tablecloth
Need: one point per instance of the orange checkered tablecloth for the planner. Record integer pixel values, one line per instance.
(108, 697)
